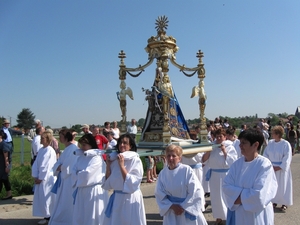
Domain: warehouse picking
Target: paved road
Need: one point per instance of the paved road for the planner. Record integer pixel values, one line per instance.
(17, 211)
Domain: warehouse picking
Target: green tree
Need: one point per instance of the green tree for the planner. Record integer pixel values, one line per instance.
(76, 127)
(25, 119)
(141, 122)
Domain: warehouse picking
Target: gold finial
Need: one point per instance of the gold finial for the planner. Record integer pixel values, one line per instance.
(161, 23)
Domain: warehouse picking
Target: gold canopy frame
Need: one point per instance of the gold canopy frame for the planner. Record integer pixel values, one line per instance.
(158, 134)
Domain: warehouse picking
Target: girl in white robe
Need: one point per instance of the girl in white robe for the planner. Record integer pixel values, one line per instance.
(219, 161)
(44, 179)
(88, 176)
(250, 185)
(124, 173)
(279, 152)
(178, 192)
(63, 207)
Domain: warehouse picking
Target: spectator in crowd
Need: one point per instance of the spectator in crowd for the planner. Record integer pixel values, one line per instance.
(265, 132)
(219, 160)
(250, 184)
(32, 132)
(225, 124)
(62, 212)
(243, 127)
(149, 164)
(101, 140)
(124, 173)
(279, 152)
(74, 134)
(292, 138)
(106, 129)
(36, 143)
(4, 166)
(43, 179)
(116, 130)
(54, 144)
(132, 129)
(88, 176)
(179, 204)
(85, 129)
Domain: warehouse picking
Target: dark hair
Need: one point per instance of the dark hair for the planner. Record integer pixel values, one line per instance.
(131, 142)
(88, 139)
(230, 131)
(3, 134)
(67, 133)
(220, 131)
(106, 123)
(252, 135)
(38, 130)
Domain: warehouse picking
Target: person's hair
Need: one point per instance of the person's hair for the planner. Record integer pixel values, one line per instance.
(243, 126)
(220, 131)
(197, 127)
(252, 135)
(131, 142)
(88, 139)
(47, 134)
(3, 134)
(67, 133)
(230, 131)
(38, 130)
(278, 130)
(176, 148)
(106, 123)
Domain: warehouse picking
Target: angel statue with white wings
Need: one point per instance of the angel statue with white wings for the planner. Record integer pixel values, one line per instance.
(122, 98)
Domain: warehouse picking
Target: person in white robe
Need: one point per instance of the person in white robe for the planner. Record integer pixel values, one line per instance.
(195, 162)
(63, 206)
(219, 160)
(44, 179)
(231, 136)
(179, 204)
(88, 176)
(250, 185)
(279, 152)
(124, 173)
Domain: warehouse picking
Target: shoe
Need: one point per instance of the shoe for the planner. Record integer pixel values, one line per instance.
(154, 179)
(6, 198)
(150, 181)
(219, 222)
(283, 208)
(41, 222)
(274, 205)
(207, 195)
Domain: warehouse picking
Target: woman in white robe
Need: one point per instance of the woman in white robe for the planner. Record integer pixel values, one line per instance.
(250, 185)
(279, 152)
(179, 204)
(88, 175)
(63, 207)
(195, 162)
(219, 160)
(44, 179)
(124, 173)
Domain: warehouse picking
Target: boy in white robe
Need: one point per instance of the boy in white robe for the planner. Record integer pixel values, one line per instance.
(250, 185)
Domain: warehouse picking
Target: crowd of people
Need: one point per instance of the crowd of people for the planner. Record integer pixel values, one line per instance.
(245, 175)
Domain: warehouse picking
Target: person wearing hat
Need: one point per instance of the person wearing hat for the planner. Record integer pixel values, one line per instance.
(85, 129)
(32, 132)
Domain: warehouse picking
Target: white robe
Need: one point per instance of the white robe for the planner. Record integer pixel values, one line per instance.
(88, 175)
(43, 198)
(281, 152)
(236, 145)
(197, 159)
(256, 183)
(63, 207)
(218, 161)
(128, 207)
(181, 183)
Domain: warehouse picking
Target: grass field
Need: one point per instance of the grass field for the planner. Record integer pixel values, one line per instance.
(20, 175)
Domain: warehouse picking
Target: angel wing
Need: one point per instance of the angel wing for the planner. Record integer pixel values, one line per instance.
(195, 92)
(129, 92)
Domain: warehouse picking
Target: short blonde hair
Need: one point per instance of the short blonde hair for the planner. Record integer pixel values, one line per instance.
(278, 130)
(176, 148)
(48, 136)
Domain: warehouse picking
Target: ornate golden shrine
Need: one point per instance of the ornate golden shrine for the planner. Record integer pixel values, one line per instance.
(161, 113)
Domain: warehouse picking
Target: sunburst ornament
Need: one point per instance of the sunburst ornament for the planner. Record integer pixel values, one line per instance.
(161, 23)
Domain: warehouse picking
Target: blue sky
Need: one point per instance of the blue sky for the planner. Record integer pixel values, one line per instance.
(60, 58)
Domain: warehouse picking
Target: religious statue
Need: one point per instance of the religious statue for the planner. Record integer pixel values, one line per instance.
(199, 90)
(122, 98)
